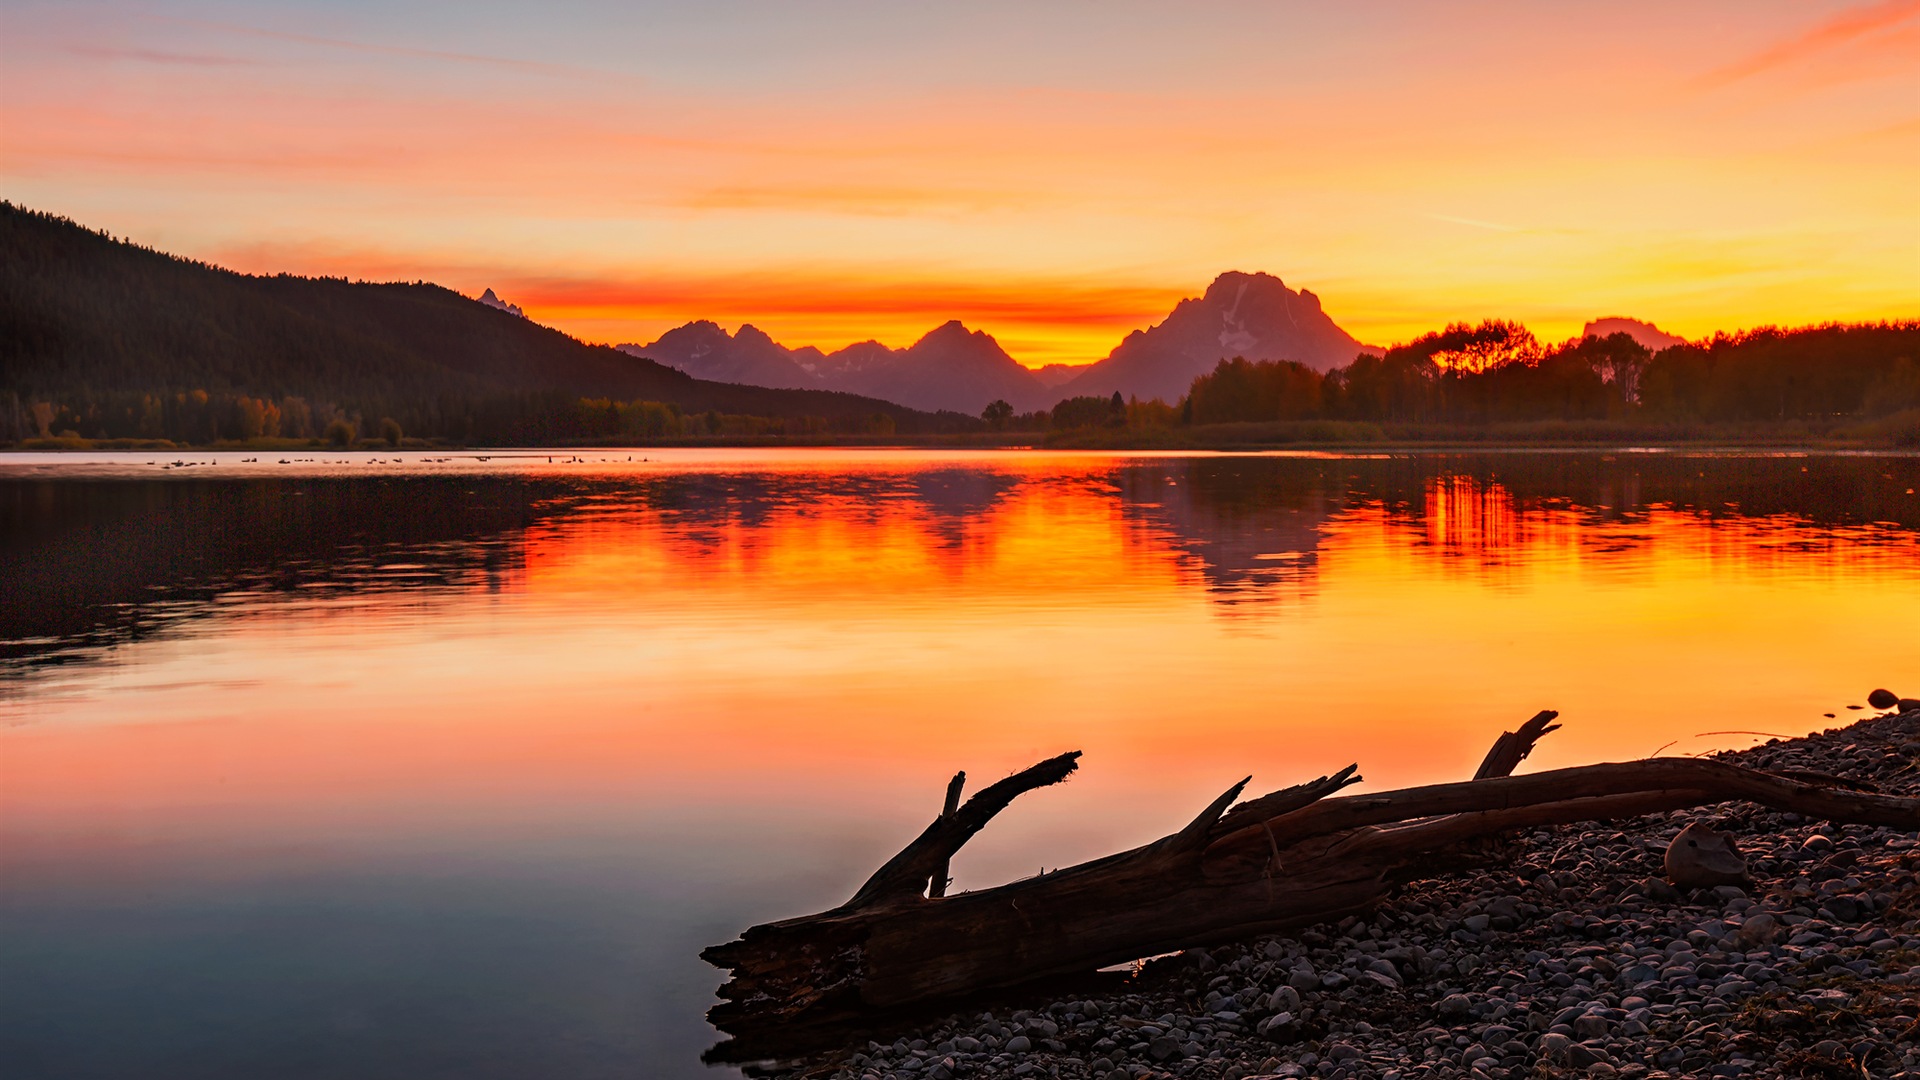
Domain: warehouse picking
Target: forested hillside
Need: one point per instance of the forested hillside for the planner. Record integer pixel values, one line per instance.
(101, 338)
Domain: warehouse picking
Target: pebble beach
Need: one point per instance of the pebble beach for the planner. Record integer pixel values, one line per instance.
(1565, 953)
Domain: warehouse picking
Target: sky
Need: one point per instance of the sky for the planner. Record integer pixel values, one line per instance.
(1056, 174)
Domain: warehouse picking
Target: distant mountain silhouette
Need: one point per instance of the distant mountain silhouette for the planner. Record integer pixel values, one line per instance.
(706, 351)
(1254, 316)
(1647, 334)
(1058, 374)
(950, 368)
(1247, 315)
(86, 320)
(492, 301)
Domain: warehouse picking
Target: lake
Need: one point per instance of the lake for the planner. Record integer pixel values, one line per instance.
(447, 765)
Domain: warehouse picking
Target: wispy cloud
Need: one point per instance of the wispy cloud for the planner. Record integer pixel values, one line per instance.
(861, 200)
(786, 291)
(160, 56)
(1476, 223)
(375, 49)
(805, 292)
(1858, 24)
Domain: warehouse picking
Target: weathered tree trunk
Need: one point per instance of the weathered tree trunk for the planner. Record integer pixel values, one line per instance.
(1283, 860)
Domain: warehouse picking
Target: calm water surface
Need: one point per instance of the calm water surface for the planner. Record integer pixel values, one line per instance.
(409, 766)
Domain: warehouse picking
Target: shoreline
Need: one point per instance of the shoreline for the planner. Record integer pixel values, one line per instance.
(1567, 954)
(939, 442)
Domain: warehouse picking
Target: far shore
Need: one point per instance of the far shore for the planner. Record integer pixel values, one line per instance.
(1306, 435)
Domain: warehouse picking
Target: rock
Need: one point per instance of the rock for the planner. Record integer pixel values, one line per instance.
(1581, 1055)
(1454, 1006)
(1883, 699)
(1019, 1044)
(1284, 999)
(1757, 931)
(1278, 1027)
(1556, 1048)
(1702, 857)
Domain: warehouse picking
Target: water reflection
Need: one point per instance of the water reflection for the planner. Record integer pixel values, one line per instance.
(89, 564)
(432, 768)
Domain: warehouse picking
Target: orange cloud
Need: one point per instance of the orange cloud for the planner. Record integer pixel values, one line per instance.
(1843, 29)
(1038, 322)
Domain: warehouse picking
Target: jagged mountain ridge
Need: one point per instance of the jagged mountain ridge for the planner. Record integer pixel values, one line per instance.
(951, 367)
(1250, 315)
(488, 298)
(1254, 316)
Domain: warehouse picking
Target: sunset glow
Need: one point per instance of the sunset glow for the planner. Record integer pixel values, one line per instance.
(1055, 176)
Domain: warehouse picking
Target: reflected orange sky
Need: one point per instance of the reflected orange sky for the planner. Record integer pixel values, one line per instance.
(851, 170)
(836, 656)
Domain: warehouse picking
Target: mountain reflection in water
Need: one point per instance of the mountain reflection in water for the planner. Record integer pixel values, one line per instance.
(416, 767)
(90, 563)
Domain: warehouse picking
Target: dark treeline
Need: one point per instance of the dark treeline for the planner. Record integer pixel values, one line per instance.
(1478, 376)
(1498, 371)
(102, 339)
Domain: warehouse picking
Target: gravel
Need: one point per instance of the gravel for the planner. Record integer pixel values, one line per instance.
(1568, 955)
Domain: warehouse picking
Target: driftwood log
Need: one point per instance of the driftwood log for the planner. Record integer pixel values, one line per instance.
(1284, 860)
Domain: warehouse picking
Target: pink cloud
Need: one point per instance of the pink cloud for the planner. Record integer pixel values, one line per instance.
(1857, 25)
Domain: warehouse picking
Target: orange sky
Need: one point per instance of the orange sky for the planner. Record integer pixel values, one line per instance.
(1055, 174)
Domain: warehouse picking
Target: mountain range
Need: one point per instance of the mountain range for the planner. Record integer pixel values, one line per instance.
(1255, 316)
(950, 368)
(113, 330)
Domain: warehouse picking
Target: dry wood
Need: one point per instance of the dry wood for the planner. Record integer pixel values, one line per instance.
(1287, 859)
(1512, 747)
(937, 887)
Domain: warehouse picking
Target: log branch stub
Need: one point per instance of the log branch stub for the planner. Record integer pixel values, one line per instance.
(1512, 747)
(937, 887)
(1194, 837)
(1286, 800)
(905, 875)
